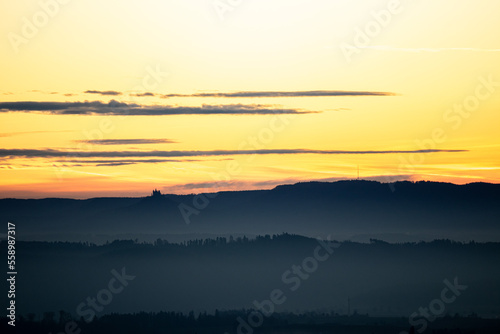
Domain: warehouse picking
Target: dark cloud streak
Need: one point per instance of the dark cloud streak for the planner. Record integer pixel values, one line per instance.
(144, 94)
(50, 153)
(115, 108)
(127, 141)
(263, 94)
(105, 93)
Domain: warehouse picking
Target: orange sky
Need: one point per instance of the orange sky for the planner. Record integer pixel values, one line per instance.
(116, 98)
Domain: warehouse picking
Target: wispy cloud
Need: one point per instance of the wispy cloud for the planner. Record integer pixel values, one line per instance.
(238, 94)
(105, 93)
(11, 134)
(263, 94)
(120, 108)
(51, 153)
(123, 162)
(81, 161)
(43, 92)
(126, 141)
(144, 94)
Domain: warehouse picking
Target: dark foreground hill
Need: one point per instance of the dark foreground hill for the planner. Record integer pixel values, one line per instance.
(356, 210)
(227, 322)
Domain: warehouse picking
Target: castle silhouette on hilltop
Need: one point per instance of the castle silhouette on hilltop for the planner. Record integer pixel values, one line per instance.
(156, 193)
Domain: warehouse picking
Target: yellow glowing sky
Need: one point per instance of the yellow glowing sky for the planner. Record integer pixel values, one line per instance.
(429, 55)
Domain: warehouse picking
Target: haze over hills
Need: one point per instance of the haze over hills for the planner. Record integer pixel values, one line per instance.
(380, 279)
(215, 251)
(355, 210)
(253, 119)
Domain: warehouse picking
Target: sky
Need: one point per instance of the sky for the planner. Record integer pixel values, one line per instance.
(116, 98)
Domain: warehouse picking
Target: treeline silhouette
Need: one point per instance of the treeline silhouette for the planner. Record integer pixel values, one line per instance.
(231, 322)
(380, 278)
(259, 240)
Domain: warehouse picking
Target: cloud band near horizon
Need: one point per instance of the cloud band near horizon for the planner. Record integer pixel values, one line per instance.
(127, 141)
(116, 108)
(51, 153)
(264, 94)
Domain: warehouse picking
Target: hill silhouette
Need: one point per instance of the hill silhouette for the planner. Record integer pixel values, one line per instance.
(356, 210)
(380, 278)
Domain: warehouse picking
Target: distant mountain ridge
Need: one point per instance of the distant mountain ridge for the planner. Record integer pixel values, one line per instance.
(344, 209)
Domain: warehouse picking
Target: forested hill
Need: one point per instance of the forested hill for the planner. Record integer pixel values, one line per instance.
(379, 278)
(356, 210)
